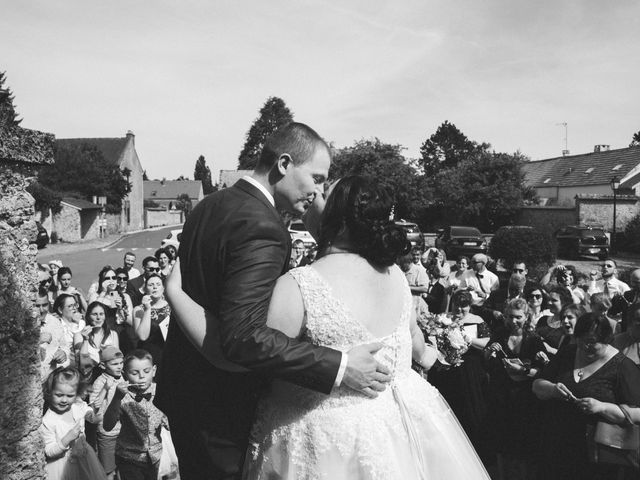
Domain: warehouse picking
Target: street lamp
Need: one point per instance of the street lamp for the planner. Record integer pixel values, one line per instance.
(615, 184)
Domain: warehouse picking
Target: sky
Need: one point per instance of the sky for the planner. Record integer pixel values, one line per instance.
(189, 77)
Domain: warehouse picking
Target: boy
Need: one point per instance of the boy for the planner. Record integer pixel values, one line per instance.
(139, 446)
(104, 389)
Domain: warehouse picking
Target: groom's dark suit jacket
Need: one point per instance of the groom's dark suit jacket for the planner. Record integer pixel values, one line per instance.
(234, 246)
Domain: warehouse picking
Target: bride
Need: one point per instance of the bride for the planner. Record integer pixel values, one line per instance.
(353, 294)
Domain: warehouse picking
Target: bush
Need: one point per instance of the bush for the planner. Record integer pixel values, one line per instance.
(632, 235)
(534, 247)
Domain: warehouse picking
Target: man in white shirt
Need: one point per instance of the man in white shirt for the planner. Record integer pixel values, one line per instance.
(609, 283)
(479, 281)
(129, 261)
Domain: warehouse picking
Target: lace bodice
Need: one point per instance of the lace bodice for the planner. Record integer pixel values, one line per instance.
(303, 434)
(330, 323)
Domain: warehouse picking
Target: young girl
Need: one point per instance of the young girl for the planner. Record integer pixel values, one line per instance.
(67, 452)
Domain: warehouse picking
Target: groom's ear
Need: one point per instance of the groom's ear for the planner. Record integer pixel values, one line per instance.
(283, 163)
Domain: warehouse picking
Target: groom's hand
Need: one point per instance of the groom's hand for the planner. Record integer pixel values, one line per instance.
(364, 373)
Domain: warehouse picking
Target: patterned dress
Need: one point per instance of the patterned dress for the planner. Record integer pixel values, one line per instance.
(407, 432)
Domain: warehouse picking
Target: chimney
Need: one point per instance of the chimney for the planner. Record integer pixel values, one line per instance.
(601, 148)
(131, 136)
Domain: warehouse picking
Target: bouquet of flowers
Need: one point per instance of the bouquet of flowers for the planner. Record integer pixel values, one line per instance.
(447, 336)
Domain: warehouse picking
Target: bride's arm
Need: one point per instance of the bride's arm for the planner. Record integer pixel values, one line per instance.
(423, 354)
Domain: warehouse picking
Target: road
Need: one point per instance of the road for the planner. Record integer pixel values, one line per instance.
(85, 264)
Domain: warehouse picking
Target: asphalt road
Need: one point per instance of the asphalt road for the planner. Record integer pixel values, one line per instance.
(85, 264)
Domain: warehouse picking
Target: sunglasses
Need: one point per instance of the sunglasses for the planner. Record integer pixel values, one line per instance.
(110, 277)
(153, 269)
(518, 270)
(121, 279)
(536, 295)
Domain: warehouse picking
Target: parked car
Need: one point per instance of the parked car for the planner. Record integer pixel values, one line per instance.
(459, 240)
(173, 238)
(298, 231)
(42, 238)
(577, 240)
(414, 235)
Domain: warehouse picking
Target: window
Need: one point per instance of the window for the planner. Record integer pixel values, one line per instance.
(589, 170)
(547, 180)
(617, 167)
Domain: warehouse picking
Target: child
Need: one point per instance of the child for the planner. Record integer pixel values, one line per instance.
(62, 429)
(139, 445)
(104, 389)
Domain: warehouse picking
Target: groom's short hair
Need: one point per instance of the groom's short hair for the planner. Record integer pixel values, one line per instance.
(297, 140)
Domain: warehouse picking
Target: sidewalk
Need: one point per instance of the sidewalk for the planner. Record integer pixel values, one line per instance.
(61, 248)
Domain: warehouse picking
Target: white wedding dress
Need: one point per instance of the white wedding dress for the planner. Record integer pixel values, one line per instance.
(407, 432)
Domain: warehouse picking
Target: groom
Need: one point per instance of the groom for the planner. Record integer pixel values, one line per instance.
(234, 247)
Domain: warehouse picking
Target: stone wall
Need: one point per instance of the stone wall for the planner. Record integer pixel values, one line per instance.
(158, 218)
(21, 448)
(547, 219)
(599, 210)
(66, 224)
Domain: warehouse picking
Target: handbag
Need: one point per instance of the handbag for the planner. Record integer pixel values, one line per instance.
(616, 444)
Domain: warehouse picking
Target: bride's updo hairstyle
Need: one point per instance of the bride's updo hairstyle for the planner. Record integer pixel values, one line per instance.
(357, 215)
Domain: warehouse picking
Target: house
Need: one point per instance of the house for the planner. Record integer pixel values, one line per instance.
(559, 180)
(165, 192)
(77, 220)
(121, 151)
(229, 177)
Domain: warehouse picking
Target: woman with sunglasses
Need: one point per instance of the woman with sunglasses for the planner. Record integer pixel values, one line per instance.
(535, 296)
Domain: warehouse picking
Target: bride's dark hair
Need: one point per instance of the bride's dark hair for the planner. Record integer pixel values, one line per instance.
(358, 210)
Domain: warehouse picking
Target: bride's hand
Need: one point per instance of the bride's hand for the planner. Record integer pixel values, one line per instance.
(173, 282)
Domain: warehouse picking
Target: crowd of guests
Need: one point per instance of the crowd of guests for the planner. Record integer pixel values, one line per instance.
(99, 354)
(547, 360)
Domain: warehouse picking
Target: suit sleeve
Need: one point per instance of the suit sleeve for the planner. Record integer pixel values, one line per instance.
(251, 268)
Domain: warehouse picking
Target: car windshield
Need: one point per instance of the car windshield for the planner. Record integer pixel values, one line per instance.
(465, 231)
(298, 227)
(592, 233)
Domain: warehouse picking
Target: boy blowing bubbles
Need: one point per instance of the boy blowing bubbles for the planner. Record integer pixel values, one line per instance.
(104, 389)
(139, 445)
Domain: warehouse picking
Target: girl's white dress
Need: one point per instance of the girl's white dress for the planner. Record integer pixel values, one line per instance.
(54, 427)
(407, 432)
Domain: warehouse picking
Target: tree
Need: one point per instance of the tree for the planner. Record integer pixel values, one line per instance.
(82, 171)
(273, 115)
(8, 115)
(203, 173)
(46, 199)
(635, 141)
(183, 202)
(385, 163)
(447, 148)
(486, 192)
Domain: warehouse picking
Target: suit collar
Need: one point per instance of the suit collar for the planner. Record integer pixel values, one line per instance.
(254, 191)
